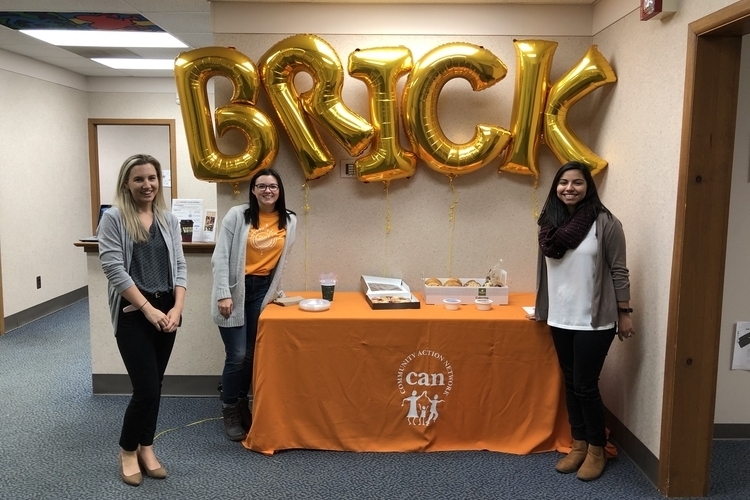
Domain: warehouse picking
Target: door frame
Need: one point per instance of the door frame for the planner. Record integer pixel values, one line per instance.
(702, 216)
(94, 156)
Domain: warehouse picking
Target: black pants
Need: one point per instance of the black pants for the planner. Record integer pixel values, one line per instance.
(145, 352)
(581, 354)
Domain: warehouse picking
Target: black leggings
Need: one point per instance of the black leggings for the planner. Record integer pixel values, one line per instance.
(145, 352)
(581, 354)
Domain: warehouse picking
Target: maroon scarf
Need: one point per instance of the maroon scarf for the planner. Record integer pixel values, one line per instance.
(555, 241)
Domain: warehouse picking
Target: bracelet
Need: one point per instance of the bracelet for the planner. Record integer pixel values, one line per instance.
(625, 309)
(144, 303)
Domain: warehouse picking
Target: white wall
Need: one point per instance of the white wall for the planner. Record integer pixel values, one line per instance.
(44, 192)
(732, 407)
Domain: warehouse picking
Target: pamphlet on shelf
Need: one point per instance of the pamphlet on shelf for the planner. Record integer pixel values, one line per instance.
(209, 225)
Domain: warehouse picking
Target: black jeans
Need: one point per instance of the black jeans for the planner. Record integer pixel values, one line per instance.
(145, 352)
(581, 354)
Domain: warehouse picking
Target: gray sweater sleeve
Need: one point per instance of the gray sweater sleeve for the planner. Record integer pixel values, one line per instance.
(113, 250)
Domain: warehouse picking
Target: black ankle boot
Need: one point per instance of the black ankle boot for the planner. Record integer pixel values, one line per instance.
(246, 418)
(232, 426)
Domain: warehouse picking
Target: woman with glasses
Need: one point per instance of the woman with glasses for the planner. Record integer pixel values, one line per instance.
(248, 263)
(140, 247)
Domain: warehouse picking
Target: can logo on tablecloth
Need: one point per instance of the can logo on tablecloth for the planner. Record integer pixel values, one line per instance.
(425, 377)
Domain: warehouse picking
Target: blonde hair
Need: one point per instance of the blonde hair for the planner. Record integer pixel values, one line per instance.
(125, 203)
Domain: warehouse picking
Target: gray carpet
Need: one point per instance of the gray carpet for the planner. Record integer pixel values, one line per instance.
(58, 441)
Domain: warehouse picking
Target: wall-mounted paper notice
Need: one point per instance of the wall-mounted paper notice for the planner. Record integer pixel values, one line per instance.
(741, 355)
(186, 209)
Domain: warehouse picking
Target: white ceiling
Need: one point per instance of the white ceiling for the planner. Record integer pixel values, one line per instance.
(188, 20)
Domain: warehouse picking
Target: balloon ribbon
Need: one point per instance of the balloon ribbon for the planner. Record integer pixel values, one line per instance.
(387, 225)
(452, 218)
(306, 208)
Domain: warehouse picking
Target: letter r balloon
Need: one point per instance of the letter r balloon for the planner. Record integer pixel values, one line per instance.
(323, 103)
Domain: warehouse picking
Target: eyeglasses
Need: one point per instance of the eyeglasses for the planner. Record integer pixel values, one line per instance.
(270, 187)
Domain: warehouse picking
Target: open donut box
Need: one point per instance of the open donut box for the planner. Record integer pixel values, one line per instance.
(467, 294)
(376, 287)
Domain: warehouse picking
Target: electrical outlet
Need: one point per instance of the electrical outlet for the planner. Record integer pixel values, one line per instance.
(38, 282)
(347, 168)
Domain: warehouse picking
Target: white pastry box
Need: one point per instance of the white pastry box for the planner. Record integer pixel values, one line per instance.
(388, 293)
(467, 294)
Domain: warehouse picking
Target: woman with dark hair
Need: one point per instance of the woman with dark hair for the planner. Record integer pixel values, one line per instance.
(583, 293)
(140, 247)
(248, 263)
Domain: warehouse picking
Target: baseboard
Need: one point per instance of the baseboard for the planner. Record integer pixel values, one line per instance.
(173, 385)
(638, 452)
(731, 431)
(41, 310)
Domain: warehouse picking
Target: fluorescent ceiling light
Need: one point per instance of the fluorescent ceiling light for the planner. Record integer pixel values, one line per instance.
(118, 63)
(99, 38)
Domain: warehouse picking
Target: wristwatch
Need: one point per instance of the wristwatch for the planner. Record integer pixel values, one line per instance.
(625, 309)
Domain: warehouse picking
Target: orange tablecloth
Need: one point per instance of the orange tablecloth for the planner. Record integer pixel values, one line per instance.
(427, 379)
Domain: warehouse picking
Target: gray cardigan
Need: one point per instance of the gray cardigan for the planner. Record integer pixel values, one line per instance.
(611, 276)
(228, 266)
(116, 253)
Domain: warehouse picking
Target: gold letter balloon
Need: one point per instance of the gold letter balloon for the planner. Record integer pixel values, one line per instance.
(380, 69)
(591, 72)
(192, 71)
(311, 54)
(533, 60)
(482, 69)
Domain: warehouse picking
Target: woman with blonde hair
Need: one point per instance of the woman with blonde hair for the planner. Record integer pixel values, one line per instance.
(140, 248)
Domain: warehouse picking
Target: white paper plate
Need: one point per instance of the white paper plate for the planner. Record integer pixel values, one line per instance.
(315, 305)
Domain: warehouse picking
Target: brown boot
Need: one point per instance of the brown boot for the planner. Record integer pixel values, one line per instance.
(573, 460)
(594, 464)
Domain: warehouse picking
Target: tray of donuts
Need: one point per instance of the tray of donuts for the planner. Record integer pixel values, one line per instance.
(465, 289)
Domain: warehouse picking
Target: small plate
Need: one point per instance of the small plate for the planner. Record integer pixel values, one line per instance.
(315, 305)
